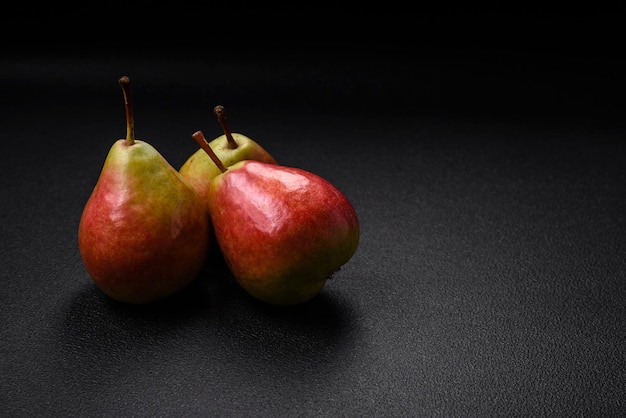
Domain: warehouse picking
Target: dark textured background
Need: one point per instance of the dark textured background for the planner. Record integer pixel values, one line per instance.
(484, 154)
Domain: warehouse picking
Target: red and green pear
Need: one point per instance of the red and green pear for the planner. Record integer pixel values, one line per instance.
(144, 233)
(283, 231)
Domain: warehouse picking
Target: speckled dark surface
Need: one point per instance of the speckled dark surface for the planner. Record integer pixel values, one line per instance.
(490, 182)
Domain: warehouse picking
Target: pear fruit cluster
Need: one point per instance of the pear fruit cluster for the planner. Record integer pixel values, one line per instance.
(147, 229)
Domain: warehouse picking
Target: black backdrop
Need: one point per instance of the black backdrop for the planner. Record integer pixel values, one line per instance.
(484, 154)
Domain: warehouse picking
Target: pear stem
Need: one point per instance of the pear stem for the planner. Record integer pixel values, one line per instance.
(221, 118)
(201, 140)
(130, 123)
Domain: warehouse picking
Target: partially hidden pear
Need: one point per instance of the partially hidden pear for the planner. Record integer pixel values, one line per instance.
(144, 233)
(283, 231)
(229, 147)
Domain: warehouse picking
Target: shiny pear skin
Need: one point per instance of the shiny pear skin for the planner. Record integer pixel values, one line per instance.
(144, 233)
(283, 231)
(199, 169)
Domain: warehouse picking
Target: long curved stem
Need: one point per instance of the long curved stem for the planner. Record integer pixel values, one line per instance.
(124, 82)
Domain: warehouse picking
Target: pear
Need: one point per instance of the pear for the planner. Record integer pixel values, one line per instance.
(230, 148)
(283, 231)
(144, 232)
